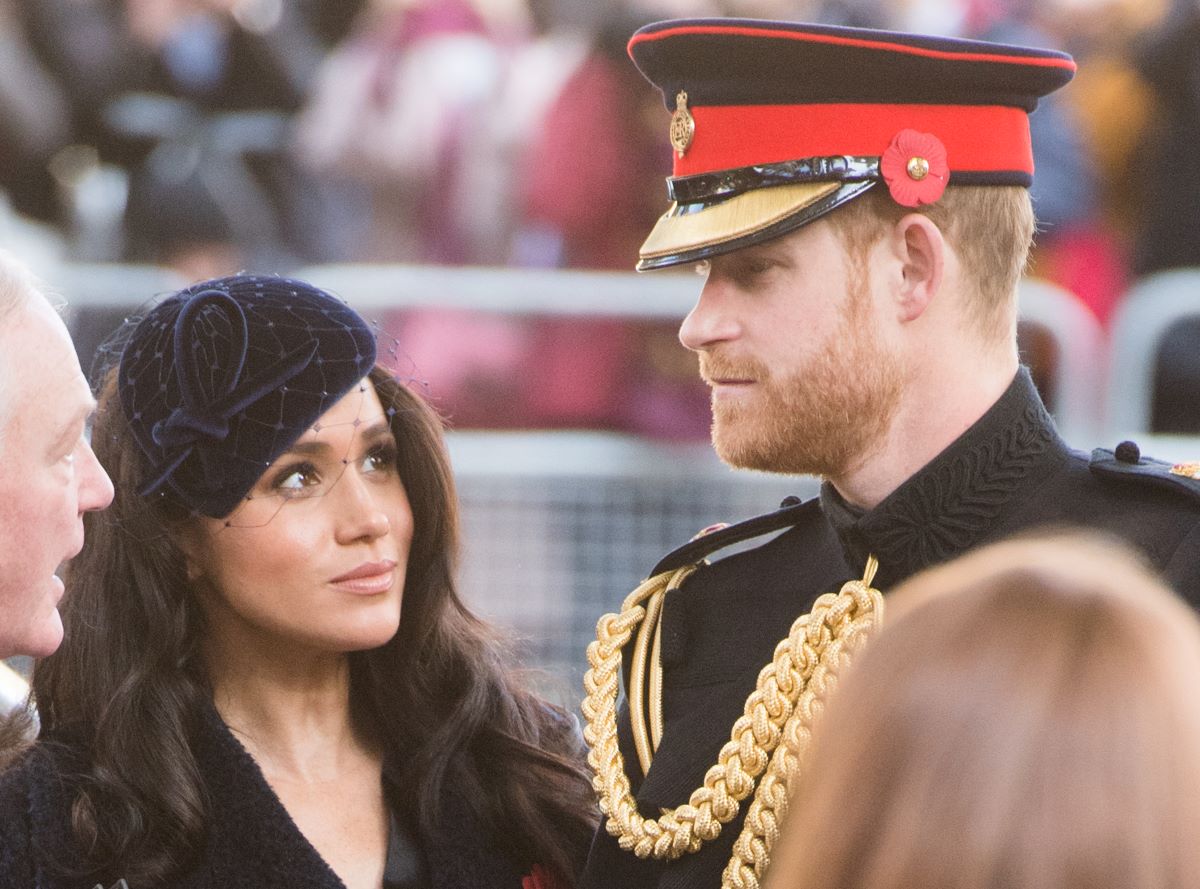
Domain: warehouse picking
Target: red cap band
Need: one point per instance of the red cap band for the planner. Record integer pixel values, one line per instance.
(978, 138)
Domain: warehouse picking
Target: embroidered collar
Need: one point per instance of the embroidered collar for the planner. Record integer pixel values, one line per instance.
(951, 503)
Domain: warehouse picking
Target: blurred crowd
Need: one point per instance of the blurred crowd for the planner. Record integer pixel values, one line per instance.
(215, 135)
(204, 134)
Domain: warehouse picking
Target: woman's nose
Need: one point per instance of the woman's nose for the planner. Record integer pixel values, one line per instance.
(361, 516)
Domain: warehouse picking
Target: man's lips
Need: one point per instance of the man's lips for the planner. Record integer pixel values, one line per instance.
(729, 382)
(369, 577)
(719, 372)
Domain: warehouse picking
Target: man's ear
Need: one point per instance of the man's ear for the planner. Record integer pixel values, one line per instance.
(921, 248)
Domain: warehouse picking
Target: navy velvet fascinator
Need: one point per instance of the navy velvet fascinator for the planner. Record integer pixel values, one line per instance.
(219, 379)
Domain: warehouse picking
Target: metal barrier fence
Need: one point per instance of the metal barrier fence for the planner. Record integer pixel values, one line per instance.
(558, 527)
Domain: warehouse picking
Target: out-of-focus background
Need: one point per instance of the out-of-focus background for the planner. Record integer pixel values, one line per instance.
(476, 175)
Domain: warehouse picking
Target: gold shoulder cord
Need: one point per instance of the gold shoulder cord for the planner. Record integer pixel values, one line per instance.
(788, 697)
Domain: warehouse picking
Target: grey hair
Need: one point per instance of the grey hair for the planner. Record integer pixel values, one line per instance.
(18, 285)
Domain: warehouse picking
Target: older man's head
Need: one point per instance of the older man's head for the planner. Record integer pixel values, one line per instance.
(49, 476)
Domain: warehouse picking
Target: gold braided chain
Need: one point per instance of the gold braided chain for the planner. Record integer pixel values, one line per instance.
(848, 632)
(755, 735)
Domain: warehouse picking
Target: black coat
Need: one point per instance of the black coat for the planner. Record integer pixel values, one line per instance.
(252, 841)
(1009, 472)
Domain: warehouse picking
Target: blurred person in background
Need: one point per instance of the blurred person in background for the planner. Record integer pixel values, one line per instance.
(1142, 104)
(464, 131)
(602, 114)
(393, 108)
(1114, 107)
(1168, 197)
(34, 123)
(188, 100)
(1168, 59)
(1027, 718)
(462, 125)
(601, 120)
(268, 678)
(857, 204)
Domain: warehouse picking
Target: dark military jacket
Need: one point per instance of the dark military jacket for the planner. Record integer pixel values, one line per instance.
(1009, 472)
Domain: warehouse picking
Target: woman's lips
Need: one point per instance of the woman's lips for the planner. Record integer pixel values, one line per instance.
(368, 578)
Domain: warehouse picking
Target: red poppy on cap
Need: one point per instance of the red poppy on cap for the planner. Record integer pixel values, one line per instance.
(914, 168)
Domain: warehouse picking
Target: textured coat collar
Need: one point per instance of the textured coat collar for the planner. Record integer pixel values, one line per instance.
(254, 829)
(953, 502)
(252, 841)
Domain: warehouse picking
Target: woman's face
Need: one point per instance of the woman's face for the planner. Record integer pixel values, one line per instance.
(315, 556)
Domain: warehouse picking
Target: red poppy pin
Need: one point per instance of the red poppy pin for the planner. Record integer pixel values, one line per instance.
(540, 878)
(914, 168)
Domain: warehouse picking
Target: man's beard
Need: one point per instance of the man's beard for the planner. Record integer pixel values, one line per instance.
(819, 420)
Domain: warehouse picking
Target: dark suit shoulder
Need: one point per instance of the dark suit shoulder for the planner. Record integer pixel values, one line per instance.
(724, 622)
(711, 540)
(28, 788)
(1126, 465)
(1152, 504)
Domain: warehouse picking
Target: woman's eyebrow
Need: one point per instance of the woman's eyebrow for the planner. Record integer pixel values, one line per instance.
(315, 447)
(378, 431)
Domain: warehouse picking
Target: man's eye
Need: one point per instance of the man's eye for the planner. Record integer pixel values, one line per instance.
(748, 271)
(67, 450)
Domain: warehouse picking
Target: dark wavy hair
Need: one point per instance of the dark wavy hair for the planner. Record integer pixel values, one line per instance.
(16, 728)
(129, 685)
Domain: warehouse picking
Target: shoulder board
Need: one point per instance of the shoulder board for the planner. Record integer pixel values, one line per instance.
(705, 544)
(1125, 463)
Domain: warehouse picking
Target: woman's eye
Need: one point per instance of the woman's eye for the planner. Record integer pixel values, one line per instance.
(296, 479)
(381, 459)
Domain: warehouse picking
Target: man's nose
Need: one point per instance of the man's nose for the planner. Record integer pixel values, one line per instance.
(95, 487)
(710, 321)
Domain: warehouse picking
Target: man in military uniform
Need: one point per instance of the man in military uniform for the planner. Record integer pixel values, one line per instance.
(857, 201)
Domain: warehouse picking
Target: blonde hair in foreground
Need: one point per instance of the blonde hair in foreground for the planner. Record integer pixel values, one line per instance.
(1027, 719)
